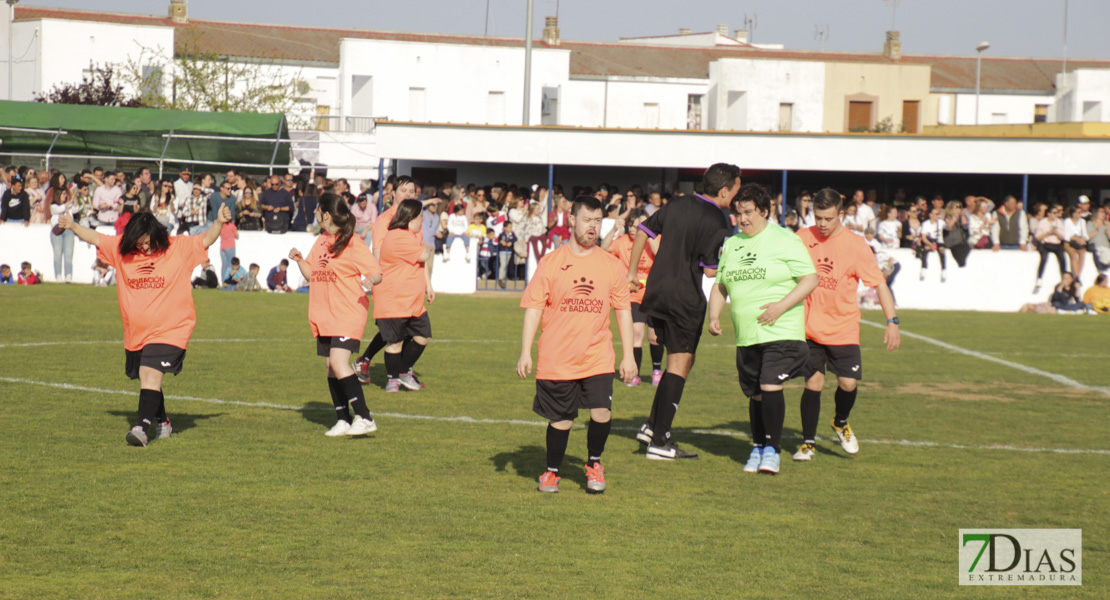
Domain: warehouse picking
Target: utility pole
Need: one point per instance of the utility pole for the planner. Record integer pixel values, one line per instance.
(528, 67)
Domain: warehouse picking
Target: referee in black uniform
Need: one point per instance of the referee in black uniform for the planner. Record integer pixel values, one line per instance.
(693, 230)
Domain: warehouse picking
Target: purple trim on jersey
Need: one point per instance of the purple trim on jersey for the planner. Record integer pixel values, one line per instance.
(705, 266)
(650, 233)
(715, 205)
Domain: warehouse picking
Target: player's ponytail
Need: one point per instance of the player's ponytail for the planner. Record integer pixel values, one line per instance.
(335, 206)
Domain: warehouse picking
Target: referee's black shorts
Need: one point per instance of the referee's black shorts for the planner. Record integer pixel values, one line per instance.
(674, 337)
(561, 400)
(161, 357)
(396, 330)
(772, 363)
(843, 361)
(638, 316)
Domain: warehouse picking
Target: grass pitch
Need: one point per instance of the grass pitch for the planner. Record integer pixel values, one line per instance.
(250, 500)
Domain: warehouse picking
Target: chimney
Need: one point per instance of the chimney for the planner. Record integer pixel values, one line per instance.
(551, 31)
(741, 35)
(892, 49)
(179, 11)
(684, 31)
(722, 29)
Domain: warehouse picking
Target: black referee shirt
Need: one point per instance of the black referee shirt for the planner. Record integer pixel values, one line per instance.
(693, 230)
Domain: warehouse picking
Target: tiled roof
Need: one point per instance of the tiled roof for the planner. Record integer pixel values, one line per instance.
(278, 42)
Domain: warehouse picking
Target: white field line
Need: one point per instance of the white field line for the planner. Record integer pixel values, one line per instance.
(466, 419)
(1006, 363)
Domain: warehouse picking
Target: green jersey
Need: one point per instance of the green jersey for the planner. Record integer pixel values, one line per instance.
(759, 270)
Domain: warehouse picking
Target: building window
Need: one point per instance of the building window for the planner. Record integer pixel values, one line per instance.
(911, 110)
(1092, 111)
(786, 116)
(859, 115)
(737, 110)
(418, 102)
(999, 119)
(549, 109)
(495, 108)
(1040, 113)
(651, 115)
(694, 104)
(323, 122)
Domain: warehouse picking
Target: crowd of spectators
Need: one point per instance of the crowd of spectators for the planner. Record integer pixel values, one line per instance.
(501, 224)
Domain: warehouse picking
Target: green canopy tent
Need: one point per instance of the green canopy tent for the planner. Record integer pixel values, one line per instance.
(166, 136)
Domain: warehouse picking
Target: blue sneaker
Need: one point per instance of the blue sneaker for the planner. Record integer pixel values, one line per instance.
(770, 462)
(756, 457)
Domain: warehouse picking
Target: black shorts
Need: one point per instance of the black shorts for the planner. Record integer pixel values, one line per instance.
(638, 316)
(843, 361)
(163, 357)
(325, 343)
(1077, 245)
(674, 338)
(772, 363)
(561, 400)
(396, 330)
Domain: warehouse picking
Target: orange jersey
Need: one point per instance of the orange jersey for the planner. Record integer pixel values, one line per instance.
(155, 293)
(401, 292)
(575, 294)
(380, 227)
(622, 249)
(337, 304)
(842, 261)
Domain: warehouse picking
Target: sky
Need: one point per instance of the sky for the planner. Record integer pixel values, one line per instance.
(1016, 28)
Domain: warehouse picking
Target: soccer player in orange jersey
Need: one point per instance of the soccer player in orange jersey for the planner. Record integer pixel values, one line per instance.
(622, 249)
(406, 188)
(399, 302)
(843, 259)
(571, 293)
(340, 270)
(155, 303)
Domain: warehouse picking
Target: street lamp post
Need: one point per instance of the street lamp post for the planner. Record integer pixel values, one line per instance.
(11, 23)
(978, 73)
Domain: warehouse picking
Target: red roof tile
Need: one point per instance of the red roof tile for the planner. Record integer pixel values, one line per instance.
(289, 43)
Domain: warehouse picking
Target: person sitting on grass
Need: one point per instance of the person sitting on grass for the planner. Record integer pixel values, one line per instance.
(250, 282)
(6, 275)
(278, 279)
(1097, 297)
(234, 275)
(205, 276)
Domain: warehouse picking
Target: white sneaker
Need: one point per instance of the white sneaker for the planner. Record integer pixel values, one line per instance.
(756, 457)
(805, 453)
(362, 426)
(446, 257)
(339, 429)
(69, 278)
(847, 439)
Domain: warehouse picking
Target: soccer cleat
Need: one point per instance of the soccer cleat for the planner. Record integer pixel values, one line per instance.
(754, 459)
(656, 377)
(847, 439)
(362, 370)
(409, 379)
(340, 429)
(392, 386)
(362, 426)
(549, 482)
(668, 451)
(164, 430)
(635, 382)
(137, 436)
(644, 435)
(805, 453)
(595, 478)
(770, 462)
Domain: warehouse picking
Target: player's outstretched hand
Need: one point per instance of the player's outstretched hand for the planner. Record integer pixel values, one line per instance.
(524, 366)
(628, 369)
(715, 327)
(295, 255)
(892, 338)
(771, 314)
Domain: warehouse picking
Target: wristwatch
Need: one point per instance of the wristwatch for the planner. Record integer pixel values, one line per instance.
(894, 320)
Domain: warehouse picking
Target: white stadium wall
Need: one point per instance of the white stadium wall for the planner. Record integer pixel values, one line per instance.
(998, 282)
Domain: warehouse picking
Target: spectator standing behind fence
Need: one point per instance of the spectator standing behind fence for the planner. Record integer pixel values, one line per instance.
(1010, 229)
(487, 254)
(192, 212)
(38, 201)
(250, 211)
(980, 222)
(535, 228)
(304, 218)
(557, 223)
(932, 239)
(59, 200)
(505, 243)
(183, 186)
(955, 232)
(1076, 238)
(457, 230)
(1098, 232)
(1050, 240)
(222, 197)
(364, 212)
(889, 229)
(277, 207)
(228, 234)
(15, 204)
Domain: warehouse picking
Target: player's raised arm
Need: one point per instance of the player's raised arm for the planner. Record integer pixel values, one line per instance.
(213, 233)
(87, 235)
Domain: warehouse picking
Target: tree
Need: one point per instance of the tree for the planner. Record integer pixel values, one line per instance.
(98, 88)
(202, 80)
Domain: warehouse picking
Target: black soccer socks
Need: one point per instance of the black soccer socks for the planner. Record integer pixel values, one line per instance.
(394, 365)
(667, 397)
(556, 447)
(375, 346)
(774, 414)
(755, 417)
(352, 393)
(844, 403)
(638, 355)
(811, 413)
(656, 356)
(596, 437)
(149, 401)
(337, 399)
(410, 353)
